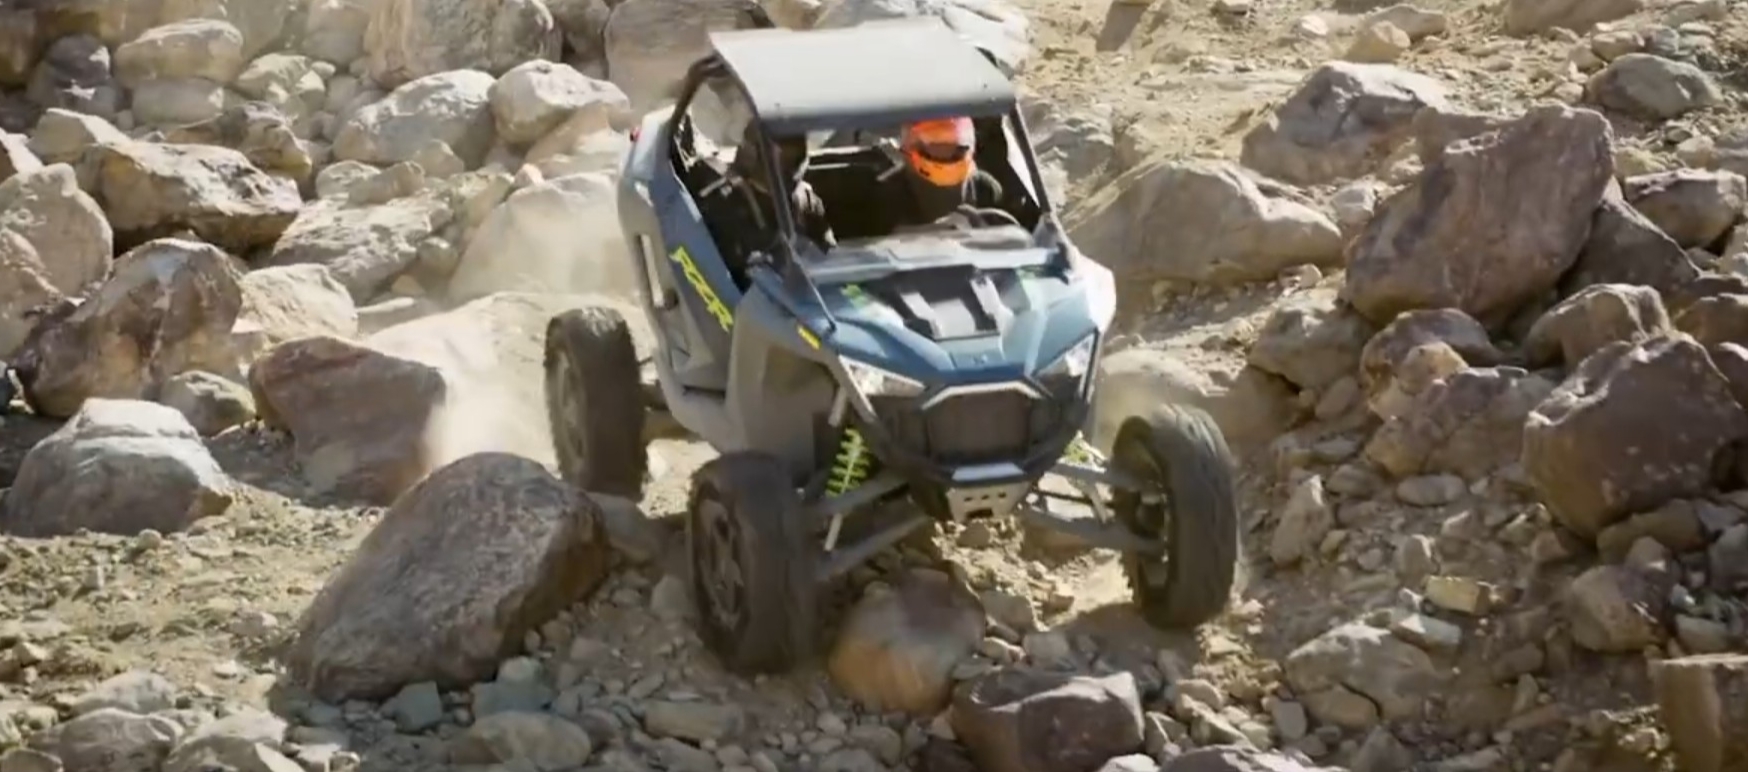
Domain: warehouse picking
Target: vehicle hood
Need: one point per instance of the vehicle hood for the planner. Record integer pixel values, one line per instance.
(945, 315)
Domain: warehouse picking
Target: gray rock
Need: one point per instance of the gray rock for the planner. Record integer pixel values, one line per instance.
(1469, 237)
(544, 742)
(1652, 88)
(139, 466)
(1342, 123)
(416, 707)
(111, 740)
(1390, 672)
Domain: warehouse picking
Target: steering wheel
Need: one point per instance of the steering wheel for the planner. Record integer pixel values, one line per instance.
(982, 217)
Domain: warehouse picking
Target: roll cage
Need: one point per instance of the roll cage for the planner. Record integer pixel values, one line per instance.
(775, 110)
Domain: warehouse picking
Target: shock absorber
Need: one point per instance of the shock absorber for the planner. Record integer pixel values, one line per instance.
(850, 466)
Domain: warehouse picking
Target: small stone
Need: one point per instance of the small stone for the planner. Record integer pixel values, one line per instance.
(416, 708)
(1457, 593)
(1290, 720)
(1431, 490)
(1428, 632)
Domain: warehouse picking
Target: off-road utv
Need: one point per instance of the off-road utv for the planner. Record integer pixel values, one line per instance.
(943, 371)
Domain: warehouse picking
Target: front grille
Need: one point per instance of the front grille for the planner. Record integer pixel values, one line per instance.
(977, 428)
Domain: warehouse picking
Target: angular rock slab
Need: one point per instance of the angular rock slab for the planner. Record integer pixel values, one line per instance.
(168, 307)
(450, 580)
(1703, 701)
(1492, 224)
(1635, 426)
(150, 190)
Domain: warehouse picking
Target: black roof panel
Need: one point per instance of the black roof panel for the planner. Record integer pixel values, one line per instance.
(873, 75)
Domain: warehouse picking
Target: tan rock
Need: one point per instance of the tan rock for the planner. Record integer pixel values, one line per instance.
(898, 646)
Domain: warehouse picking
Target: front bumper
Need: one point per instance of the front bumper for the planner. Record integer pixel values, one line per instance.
(973, 450)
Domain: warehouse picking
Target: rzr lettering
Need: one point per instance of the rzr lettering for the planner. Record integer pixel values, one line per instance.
(712, 303)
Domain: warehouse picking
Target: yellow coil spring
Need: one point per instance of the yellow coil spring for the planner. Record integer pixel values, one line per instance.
(850, 467)
(1080, 451)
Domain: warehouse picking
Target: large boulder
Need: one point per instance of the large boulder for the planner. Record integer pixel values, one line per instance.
(1199, 222)
(411, 39)
(453, 108)
(168, 308)
(450, 581)
(1492, 224)
(118, 466)
(151, 190)
(1595, 454)
(528, 102)
(371, 418)
(358, 416)
(363, 247)
(54, 241)
(558, 236)
(289, 302)
(197, 48)
(1342, 123)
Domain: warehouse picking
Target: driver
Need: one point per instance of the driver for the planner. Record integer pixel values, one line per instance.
(940, 175)
(756, 229)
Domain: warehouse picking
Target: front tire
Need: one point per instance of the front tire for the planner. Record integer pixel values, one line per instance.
(594, 401)
(754, 560)
(1181, 453)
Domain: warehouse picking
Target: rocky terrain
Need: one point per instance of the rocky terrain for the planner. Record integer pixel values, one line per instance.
(1465, 284)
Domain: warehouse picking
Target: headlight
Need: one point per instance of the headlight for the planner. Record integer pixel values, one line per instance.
(872, 381)
(1068, 372)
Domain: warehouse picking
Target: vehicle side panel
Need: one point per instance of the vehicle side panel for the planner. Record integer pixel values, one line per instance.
(684, 358)
(695, 332)
(782, 387)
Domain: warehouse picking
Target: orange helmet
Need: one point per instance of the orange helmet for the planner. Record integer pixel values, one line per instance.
(940, 150)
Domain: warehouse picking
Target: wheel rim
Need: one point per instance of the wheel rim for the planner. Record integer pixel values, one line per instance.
(1152, 520)
(565, 389)
(718, 542)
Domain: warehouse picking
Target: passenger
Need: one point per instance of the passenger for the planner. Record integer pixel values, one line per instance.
(941, 175)
(809, 210)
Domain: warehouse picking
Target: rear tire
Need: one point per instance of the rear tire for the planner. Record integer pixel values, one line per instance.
(753, 560)
(1181, 451)
(594, 401)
